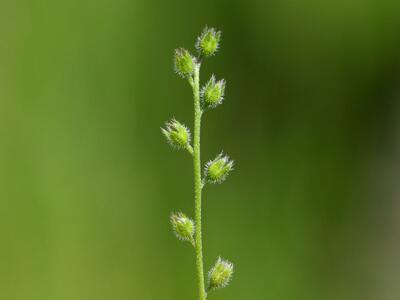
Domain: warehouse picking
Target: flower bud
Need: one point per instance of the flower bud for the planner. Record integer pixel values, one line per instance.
(218, 169)
(220, 275)
(184, 62)
(208, 42)
(177, 134)
(183, 227)
(212, 93)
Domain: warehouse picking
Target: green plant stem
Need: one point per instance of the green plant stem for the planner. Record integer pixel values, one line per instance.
(197, 181)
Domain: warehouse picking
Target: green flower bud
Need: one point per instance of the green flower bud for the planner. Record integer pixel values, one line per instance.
(177, 134)
(218, 169)
(212, 94)
(220, 275)
(184, 62)
(183, 227)
(208, 42)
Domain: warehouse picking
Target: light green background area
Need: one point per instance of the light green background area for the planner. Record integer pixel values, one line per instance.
(311, 119)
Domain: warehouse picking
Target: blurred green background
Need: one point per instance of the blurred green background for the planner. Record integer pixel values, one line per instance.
(311, 118)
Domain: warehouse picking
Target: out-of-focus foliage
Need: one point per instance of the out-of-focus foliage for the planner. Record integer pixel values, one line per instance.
(311, 118)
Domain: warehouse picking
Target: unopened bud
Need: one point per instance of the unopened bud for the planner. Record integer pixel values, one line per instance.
(213, 92)
(218, 169)
(184, 62)
(183, 227)
(177, 134)
(208, 42)
(220, 275)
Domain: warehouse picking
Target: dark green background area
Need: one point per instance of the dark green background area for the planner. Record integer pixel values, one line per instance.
(311, 119)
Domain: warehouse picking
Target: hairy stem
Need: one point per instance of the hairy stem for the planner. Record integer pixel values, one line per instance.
(197, 182)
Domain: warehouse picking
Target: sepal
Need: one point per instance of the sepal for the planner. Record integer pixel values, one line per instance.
(220, 275)
(177, 134)
(218, 169)
(212, 94)
(184, 62)
(208, 42)
(183, 227)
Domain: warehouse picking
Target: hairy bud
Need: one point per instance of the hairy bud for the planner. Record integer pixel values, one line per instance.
(208, 42)
(184, 62)
(183, 227)
(177, 134)
(212, 94)
(220, 275)
(218, 169)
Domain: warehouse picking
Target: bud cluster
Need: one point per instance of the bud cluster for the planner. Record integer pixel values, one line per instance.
(215, 171)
